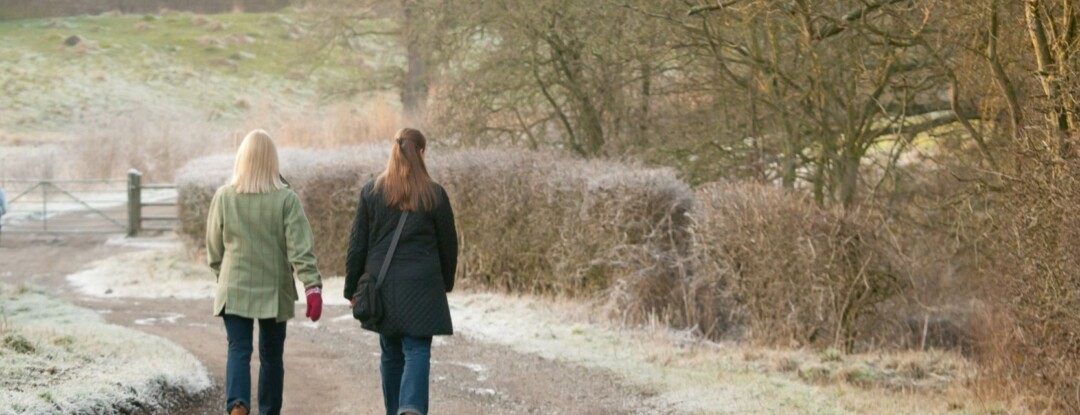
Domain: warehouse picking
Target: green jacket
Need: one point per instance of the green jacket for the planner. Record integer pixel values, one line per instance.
(253, 244)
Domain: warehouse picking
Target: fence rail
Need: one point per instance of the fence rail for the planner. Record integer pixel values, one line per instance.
(89, 206)
(158, 211)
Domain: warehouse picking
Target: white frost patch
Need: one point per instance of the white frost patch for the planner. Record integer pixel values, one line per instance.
(308, 324)
(164, 270)
(152, 242)
(170, 318)
(66, 359)
(483, 391)
(693, 385)
(343, 317)
(155, 273)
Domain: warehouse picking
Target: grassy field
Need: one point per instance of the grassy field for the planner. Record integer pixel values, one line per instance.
(145, 80)
(218, 66)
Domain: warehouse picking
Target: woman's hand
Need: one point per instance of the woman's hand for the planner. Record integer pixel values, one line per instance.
(314, 303)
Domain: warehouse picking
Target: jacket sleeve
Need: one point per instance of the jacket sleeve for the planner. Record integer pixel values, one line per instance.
(356, 258)
(300, 243)
(446, 236)
(215, 247)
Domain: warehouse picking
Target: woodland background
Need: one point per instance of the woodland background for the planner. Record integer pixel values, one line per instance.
(845, 175)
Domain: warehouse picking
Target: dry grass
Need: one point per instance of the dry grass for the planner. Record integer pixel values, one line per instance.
(155, 144)
(340, 125)
(158, 144)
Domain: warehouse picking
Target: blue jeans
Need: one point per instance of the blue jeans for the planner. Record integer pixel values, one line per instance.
(238, 366)
(406, 364)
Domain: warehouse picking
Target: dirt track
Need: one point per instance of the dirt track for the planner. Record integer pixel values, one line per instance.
(331, 368)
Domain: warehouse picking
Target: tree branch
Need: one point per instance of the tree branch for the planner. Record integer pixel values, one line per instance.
(835, 27)
(696, 10)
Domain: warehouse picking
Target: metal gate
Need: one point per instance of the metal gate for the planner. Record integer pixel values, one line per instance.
(65, 206)
(88, 206)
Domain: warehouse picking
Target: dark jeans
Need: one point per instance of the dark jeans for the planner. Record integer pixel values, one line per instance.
(406, 364)
(238, 366)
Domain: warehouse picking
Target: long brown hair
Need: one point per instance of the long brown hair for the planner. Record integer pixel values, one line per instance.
(405, 183)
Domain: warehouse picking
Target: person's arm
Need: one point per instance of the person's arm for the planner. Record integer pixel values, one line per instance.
(3, 202)
(215, 246)
(356, 259)
(446, 236)
(300, 243)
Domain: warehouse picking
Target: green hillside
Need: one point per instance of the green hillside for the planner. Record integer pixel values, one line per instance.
(175, 65)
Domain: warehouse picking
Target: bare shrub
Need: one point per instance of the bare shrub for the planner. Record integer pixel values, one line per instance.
(196, 183)
(529, 222)
(1029, 336)
(325, 181)
(795, 274)
(748, 257)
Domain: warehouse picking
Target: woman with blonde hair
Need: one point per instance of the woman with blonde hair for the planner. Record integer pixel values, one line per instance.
(404, 242)
(257, 238)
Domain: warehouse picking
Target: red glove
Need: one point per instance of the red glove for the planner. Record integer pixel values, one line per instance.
(314, 303)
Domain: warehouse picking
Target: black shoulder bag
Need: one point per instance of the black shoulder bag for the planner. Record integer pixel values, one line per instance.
(367, 303)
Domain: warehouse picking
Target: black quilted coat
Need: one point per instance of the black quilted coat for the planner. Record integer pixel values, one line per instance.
(422, 272)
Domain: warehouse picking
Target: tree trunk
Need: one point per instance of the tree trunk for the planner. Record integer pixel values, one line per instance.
(414, 88)
(1047, 70)
(1002, 79)
(849, 181)
(646, 93)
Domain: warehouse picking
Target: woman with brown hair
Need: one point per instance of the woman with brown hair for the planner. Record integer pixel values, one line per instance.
(421, 271)
(257, 239)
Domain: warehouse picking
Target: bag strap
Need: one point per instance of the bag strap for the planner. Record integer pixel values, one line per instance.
(390, 253)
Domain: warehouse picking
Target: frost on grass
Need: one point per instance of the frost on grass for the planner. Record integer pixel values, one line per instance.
(155, 273)
(165, 270)
(705, 377)
(59, 358)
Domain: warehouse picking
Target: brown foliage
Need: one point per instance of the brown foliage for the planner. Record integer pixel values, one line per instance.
(529, 222)
(796, 274)
(1031, 336)
(748, 260)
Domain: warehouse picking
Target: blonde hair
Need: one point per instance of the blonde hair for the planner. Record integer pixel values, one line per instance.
(256, 168)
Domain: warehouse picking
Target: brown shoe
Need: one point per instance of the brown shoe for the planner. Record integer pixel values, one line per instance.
(239, 409)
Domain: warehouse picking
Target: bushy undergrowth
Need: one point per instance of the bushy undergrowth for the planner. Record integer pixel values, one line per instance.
(748, 260)
(787, 270)
(1030, 336)
(328, 183)
(529, 222)
(539, 223)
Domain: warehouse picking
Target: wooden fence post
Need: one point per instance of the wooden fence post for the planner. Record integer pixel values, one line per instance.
(134, 202)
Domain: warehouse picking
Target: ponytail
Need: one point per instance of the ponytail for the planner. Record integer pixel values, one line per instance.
(405, 183)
